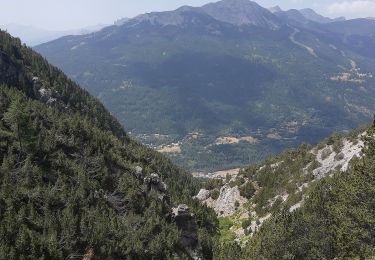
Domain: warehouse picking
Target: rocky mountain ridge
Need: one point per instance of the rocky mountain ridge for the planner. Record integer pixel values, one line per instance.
(247, 203)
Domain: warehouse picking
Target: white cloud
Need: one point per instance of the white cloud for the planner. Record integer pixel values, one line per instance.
(356, 8)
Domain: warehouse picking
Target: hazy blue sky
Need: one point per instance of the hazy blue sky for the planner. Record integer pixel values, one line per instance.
(69, 14)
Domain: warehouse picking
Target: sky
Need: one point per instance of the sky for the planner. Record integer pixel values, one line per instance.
(73, 14)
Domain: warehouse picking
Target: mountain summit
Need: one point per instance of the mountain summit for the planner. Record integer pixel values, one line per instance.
(242, 12)
(275, 9)
(311, 15)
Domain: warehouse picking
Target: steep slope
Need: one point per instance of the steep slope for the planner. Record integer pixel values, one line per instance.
(73, 183)
(317, 202)
(219, 92)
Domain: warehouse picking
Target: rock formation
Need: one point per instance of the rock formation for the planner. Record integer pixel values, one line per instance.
(188, 227)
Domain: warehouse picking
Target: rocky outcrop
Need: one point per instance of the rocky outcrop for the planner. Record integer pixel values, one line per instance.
(154, 182)
(187, 225)
(331, 160)
(138, 172)
(203, 195)
(226, 204)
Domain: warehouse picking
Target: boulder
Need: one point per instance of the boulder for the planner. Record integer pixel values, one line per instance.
(203, 195)
(138, 171)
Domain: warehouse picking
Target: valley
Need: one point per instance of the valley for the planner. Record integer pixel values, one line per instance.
(227, 69)
(221, 132)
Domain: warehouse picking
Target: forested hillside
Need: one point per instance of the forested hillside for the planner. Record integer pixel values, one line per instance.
(314, 202)
(73, 183)
(337, 220)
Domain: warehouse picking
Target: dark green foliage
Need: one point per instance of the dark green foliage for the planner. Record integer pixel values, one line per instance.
(246, 223)
(215, 194)
(227, 251)
(67, 180)
(247, 190)
(211, 184)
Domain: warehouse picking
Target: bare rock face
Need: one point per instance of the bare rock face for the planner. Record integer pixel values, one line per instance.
(187, 224)
(225, 205)
(331, 160)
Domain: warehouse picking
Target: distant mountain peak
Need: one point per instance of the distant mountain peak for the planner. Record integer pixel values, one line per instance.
(181, 17)
(293, 15)
(242, 12)
(275, 9)
(304, 16)
(311, 15)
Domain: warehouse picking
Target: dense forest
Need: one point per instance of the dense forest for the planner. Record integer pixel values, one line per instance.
(69, 184)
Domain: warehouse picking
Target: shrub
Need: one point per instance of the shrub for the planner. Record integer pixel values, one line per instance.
(213, 184)
(215, 194)
(339, 156)
(237, 182)
(246, 223)
(247, 190)
(325, 153)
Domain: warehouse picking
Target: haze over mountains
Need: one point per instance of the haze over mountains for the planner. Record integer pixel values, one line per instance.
(33, 36)
(228, 83)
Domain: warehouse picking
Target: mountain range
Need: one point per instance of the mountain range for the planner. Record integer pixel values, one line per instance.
(227, 83)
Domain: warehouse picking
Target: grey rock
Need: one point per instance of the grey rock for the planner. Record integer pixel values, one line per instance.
(46, 96)
(203, 195)
(225, 205)
(138, 171)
